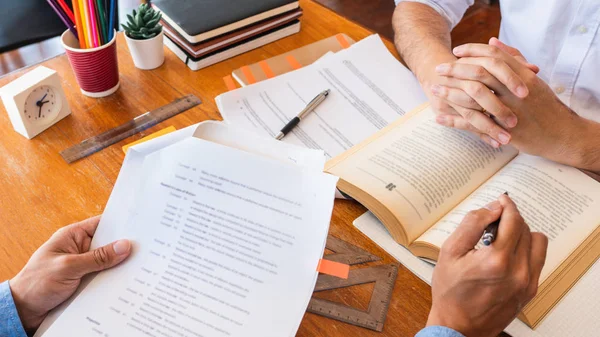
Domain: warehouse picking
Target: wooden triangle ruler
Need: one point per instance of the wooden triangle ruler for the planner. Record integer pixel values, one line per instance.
(347, 253)
(384, 277)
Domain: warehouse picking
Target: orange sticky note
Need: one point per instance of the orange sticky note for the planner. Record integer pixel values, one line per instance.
(229, 82)
(266, 69)
(342, 40)
(333, 268)
(293, 62)
(249, 75)
(152, 136)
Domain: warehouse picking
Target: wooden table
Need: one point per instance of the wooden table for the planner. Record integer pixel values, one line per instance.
(40, 192)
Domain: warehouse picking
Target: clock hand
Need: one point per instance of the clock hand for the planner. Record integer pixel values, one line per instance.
(44, 102)
(41, 99)
(40, 114)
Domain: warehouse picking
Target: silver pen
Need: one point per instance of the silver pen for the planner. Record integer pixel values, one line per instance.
(309, 107)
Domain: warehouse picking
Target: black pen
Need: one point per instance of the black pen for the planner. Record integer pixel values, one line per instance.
(491, 231)
(309, 107)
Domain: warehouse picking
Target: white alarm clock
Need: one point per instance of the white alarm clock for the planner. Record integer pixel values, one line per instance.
(35, 101)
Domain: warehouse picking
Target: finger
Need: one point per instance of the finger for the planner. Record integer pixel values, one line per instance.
(489, 101)
(511, 225)
(458, 122)
(101, 258)
(482, 68)
(485, 50)
(489, 140)
(539, 247)
(485, 98)
(475, 69)
(89, 225)
(455, 97)
(484, 124)
(441, 107)
(522, 261)
(514, 52)
(468, 233)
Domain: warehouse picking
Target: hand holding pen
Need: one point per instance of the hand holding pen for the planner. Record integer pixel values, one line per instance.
(486, 288)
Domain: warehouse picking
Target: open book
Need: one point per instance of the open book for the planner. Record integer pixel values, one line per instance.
(420, 179)
(227, 230)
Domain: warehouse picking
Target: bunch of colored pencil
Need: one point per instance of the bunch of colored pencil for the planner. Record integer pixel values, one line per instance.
(91, 21)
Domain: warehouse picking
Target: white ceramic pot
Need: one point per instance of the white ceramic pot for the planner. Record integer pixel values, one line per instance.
(147, 54)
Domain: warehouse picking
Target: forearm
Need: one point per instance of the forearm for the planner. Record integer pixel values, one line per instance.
(422, 37)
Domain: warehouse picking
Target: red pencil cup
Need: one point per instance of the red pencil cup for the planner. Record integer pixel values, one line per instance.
(96, 69)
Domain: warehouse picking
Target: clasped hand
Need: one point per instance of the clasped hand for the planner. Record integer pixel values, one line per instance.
(493, 91)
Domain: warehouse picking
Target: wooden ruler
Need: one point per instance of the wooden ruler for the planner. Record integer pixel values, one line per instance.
(373, 318)
(384, 277)
(138, 124)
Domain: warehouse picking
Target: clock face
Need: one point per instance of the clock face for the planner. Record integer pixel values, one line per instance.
(42, 105)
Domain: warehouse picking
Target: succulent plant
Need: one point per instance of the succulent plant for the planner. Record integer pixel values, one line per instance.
(143, 23)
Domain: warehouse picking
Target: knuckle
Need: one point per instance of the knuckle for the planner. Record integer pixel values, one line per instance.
(474, 216)
(479, 72)
(475, 89)
(468, 114)
(532, 291)
(65, 262)
(498, 266)
(101, 257)
(495, 51)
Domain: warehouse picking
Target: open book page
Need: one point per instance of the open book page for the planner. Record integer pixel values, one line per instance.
(420, 170)
(369, 89)
(218, 250)
(559, 201)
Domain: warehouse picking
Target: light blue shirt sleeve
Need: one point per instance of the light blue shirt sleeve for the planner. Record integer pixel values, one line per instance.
(10, 323)
(438, 331)
(451, 10)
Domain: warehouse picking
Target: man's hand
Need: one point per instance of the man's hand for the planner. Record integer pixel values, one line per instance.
(483, 81)
(55, 270)
(478, 292)
(546, 127)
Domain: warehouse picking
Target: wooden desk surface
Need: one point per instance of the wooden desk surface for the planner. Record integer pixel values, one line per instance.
(40, 192)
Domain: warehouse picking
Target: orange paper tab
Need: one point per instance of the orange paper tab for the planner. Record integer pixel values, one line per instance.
(229, 82)
(249, 75)
(342, 40)
(266, 69)
(293, 62)
(151, 136)
(333, 268)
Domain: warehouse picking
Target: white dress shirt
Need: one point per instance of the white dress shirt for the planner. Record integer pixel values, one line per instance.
(562, 37)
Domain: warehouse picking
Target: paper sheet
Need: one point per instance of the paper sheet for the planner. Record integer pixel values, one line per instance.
(577, 314)
(369, 89)
(120, 205)
(216, 249)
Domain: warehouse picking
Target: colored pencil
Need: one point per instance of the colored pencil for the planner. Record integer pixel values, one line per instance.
(111, 20)
(85, 14)
(102, 21)
(92, 16)
(79, 25)
(63, 17)
(67, 10)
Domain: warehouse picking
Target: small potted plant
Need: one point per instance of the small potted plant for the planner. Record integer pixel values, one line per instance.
(144, 36)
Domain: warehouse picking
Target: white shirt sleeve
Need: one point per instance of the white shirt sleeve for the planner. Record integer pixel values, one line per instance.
(451, 10)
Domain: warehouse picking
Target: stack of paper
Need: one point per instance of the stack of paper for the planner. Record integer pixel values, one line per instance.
(369, 89)
(227, 230)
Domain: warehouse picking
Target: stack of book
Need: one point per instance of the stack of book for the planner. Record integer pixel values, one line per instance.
(204, 32)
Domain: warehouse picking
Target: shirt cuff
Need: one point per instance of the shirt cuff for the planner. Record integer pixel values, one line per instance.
(453, 13)
(10, 323)
(438, 331)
